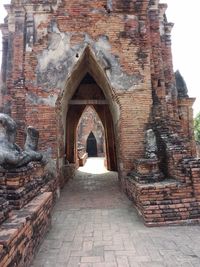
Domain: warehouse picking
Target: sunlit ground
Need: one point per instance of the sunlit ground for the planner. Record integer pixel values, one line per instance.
(94, 166)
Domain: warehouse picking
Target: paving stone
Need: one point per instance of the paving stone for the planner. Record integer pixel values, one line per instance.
(87, 245)
(74, 262)
(109, 256)
(98, 251)
(111, 234)
(153, 264)
(122, 261)
(91, 259)
(104, 264)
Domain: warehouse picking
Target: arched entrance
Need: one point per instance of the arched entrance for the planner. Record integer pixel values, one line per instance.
(91, 147)
(87, 93)
(90, 123)
(87, 85)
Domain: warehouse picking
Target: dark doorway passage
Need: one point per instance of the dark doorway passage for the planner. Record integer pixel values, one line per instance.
(90, 123)
(91, 145)
(89, 94)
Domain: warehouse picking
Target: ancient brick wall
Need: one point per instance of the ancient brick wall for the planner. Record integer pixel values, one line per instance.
(21, 235)
(50, 47)
(54, 37)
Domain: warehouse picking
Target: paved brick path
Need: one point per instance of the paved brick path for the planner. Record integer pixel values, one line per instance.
(95, 225)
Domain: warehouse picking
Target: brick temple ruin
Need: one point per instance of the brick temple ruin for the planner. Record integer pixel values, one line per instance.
(61, 56)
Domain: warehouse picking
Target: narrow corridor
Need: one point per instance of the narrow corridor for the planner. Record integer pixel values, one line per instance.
(95, 225)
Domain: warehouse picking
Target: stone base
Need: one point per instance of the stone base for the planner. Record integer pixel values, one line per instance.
(146, 171)
(20, 186)
(21, 234)
(164, 203)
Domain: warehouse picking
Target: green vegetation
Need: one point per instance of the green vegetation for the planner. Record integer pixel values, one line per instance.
(197, 127)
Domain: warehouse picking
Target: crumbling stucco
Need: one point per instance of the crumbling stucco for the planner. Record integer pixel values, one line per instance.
(57, 61)
(37, 100)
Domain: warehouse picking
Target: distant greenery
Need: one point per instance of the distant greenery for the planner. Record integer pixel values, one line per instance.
(197, 127)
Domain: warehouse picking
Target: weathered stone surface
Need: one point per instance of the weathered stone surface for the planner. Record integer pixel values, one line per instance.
(151, 148)
(11, 156)
(146, 171)
(93, 220)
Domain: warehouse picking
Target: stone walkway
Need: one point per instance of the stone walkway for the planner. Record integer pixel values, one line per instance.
(95, 225)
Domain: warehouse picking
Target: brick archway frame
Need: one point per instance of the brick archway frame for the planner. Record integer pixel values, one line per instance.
(68, 115)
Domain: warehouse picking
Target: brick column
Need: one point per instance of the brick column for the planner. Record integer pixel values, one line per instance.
(157, 72)
(186, 116)
(3, 89)
(18, 111)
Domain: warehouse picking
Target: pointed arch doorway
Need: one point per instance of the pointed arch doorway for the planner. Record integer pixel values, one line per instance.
(91, 145)
(87, 85)
(90, 135)
(89, 93)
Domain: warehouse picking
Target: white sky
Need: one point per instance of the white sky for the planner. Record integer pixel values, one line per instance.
(185, 41)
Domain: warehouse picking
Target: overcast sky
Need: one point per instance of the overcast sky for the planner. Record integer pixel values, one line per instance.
(185, 41)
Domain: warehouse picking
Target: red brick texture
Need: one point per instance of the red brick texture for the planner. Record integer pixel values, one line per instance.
(23, 232)
(50, 47)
